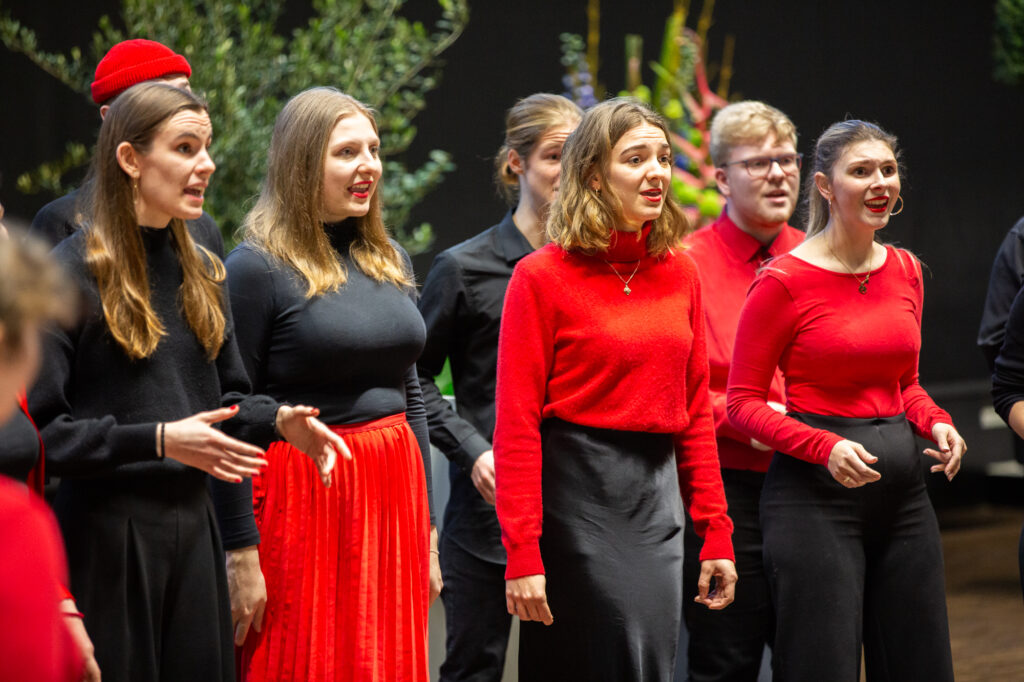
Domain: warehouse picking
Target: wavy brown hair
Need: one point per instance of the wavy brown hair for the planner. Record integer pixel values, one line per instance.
(526, 121)
(287, 220)
(114, 251)
(582, 217)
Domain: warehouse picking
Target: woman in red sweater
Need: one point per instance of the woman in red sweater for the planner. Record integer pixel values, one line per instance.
(603, 416)
(851, 544)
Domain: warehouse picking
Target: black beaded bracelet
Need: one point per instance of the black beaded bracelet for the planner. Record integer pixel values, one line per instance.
(163, 428)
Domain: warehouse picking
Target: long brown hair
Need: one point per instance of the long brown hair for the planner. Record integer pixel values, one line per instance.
(114, 250)
(525, 123)
(582, 217)
(287, 220)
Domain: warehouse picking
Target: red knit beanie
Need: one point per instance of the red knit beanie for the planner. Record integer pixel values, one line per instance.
(131, 62)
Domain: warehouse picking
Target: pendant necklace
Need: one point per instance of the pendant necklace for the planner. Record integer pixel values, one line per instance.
(625, 282)
(863, 288)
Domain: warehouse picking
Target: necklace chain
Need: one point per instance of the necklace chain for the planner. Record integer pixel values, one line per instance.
(625, 282)
(863, 288)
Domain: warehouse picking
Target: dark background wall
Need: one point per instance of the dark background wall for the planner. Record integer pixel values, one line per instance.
(919, 70)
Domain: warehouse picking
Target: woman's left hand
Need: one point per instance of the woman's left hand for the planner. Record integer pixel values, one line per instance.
(90, 668)
(951, 450)
(436, 583)
(724, 573)
(299, 426)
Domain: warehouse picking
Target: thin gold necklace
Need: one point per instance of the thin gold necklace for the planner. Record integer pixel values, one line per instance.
(625, 282)
(863, 288)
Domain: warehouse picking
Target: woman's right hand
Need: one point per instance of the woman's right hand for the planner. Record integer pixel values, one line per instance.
(194, 441)
(848, 464)
(527, 598)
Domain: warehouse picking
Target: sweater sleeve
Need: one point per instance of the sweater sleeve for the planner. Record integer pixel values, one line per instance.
(442, 297)
(700, 476)
(768, 323)
(1004, 282)
(1008, 379)
(921, 410)
(77, 446)
(525, 357)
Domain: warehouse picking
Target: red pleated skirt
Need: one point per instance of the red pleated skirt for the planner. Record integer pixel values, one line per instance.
(347, 567)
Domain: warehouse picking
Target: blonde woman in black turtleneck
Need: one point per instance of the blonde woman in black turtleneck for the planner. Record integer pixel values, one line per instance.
(324, 304)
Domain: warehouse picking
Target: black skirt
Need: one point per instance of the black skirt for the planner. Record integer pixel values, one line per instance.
(612, 550)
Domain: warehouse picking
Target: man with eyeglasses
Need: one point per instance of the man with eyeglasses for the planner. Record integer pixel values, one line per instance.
(753, 147)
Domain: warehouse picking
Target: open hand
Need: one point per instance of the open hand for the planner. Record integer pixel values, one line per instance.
(299, 426)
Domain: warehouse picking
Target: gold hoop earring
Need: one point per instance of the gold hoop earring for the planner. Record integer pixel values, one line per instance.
(892, 213)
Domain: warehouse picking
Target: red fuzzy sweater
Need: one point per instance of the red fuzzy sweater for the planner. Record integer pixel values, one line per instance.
(573, 345)
(843, 353)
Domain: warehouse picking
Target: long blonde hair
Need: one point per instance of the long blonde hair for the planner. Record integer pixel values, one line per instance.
(525, 122)
(114, 251)
(582, 217)
(287, 220)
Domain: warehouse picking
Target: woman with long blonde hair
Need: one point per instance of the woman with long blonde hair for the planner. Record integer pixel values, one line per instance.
(324, 305)
(603, 417)
(129, 397)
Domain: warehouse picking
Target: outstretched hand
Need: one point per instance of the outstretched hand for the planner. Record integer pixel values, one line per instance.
(300, 427)
(193, 441)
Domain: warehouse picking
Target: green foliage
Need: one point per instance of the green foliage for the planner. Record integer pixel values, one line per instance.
(246, 70)
(1008, 42)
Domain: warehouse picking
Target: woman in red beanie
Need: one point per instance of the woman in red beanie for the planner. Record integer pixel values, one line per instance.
(129, 398)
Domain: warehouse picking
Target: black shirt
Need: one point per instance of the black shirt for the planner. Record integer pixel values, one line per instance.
(351, 352)
(97, 409)
(461, 303)
(19, 446)
(1004, 283)
(56, 220)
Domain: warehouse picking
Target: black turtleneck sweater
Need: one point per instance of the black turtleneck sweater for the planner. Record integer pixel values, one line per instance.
(97, 409)
(351, 352)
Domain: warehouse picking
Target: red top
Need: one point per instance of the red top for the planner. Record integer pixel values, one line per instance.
(728, 259)
(843, 353)
(573, 345)
(35, 644)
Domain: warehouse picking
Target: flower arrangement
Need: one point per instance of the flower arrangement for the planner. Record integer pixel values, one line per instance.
(681, 94)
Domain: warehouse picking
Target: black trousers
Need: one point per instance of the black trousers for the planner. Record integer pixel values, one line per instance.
(147, 570)
(477, 621)
(612, 548)
(853, 566)
(727, 645)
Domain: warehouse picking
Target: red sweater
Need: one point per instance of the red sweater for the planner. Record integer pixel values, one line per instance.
(573, 345)
(843, 353)
(728, 259)
(35, 644)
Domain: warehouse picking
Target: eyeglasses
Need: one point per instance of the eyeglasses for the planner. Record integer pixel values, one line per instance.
(760, 166)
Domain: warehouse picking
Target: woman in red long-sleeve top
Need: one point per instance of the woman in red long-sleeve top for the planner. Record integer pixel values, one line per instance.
(603, 416)
(851, 544)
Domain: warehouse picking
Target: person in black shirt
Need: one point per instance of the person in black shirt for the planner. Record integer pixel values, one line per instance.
(125, 64)
(461, 304)
(128, 398)
(1004, 283)
(324, 305)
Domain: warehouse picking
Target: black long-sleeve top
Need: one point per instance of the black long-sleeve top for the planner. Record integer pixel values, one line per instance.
(461, 304)
(351, 352)
(1004, 283)
(19, 446)
(97, 409)
(56, 220)
(1008, 378)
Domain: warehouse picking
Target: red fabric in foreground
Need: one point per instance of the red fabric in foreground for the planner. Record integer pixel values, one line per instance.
(347, 567)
